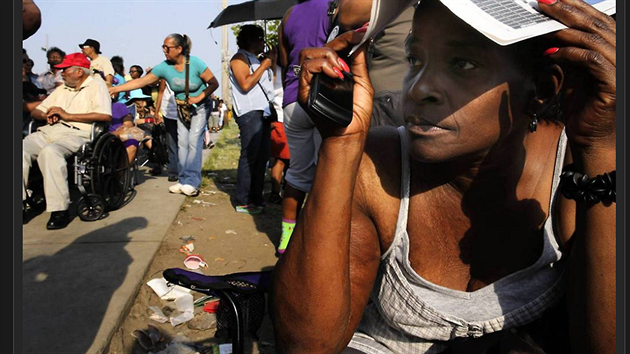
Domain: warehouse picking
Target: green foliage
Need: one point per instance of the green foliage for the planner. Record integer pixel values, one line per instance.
(271, 32)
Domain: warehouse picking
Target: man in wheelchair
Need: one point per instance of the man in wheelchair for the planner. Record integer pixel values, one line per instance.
(68, 113)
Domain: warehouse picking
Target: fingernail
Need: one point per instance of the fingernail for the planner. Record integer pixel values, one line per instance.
(361, 30)
(338, 72)
(547, 2)
(344, 66)
(550, 51)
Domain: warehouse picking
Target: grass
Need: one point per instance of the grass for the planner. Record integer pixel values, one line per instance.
(222, 163)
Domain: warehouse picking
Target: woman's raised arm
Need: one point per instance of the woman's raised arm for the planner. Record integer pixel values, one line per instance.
(323, 280)
(588, 49)
(147, 79)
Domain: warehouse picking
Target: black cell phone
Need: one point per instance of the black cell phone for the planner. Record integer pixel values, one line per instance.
(331, 98)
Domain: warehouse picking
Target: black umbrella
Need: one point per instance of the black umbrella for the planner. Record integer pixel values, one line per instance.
(251, 11)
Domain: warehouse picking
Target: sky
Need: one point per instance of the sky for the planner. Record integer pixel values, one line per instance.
(133, 29)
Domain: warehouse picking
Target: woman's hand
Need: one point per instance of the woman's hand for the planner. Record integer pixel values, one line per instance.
(326, 61)
(588, 48)
(113, 90)
(196, 99)
(272, 55)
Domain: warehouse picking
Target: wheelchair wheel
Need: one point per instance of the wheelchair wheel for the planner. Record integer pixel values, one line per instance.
(111, 174)
(91, 207)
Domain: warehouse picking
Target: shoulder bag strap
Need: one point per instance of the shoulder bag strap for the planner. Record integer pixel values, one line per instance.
(187, 74)
(258, 83)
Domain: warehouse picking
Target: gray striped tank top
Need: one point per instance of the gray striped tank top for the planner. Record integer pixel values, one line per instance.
(408, 314)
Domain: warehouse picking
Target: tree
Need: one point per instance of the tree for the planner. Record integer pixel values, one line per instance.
(270, 27)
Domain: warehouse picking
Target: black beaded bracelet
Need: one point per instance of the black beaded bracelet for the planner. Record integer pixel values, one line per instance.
(581, 188)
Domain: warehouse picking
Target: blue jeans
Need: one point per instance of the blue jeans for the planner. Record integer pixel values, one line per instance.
(255, 151)
(171, 140)
(190, 146)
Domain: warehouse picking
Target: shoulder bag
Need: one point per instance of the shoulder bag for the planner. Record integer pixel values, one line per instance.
(185, 111)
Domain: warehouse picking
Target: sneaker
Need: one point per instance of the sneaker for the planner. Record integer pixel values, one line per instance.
(189, 190)
(173, 178)
(176, 188)
(248, 209)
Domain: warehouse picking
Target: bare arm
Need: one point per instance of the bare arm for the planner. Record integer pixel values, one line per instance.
(208, 77)
(147, 79)
(322, 282)
(242, 74)
(38, 114)
(158, 102)
(30, 106)
(283, 48)
(590, 126)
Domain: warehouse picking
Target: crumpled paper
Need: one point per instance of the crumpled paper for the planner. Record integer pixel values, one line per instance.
(183, 301)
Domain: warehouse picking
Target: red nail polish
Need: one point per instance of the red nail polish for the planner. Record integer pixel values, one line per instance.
(361, 30)
(338, 72)
(552, 50)
(548, 2)
(344, 66)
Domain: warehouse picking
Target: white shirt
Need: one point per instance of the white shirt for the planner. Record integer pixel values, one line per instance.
(103, 64)
(49, 81)
(254, 99)
(168, 107)
(91, 97)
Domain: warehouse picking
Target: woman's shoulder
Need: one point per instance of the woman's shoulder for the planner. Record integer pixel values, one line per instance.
(161, 66)
(196, 60)
(239, 56)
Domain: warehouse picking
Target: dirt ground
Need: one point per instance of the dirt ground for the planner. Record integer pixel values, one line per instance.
(228, 241)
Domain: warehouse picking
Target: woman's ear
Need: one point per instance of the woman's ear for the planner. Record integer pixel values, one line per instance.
(548, 81)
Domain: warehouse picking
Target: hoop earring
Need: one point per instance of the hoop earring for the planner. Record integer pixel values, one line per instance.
(533, 124)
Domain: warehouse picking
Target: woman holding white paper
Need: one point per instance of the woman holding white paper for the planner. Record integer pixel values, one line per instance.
(451, 235)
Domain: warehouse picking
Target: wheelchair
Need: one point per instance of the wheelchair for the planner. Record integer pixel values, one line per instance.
(100, 170)
(242, 295)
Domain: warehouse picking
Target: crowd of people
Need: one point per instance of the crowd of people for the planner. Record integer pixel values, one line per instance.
(469, 207)
(138, 101)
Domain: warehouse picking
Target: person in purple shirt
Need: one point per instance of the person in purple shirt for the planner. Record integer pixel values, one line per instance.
(304, 25)
(121, 117)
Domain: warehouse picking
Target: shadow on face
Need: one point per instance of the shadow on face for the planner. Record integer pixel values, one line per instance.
(453, 91)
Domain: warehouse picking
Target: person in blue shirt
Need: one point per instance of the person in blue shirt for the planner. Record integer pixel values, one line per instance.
(202, 83)
(119, 77)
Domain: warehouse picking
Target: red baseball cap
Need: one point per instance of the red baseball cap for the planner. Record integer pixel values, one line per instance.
(74, 59)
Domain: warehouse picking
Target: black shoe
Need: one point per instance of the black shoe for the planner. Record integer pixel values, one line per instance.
(156, 171)
(58, 220)
(173, 178)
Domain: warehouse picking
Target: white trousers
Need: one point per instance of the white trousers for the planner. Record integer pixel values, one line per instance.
(51, 145)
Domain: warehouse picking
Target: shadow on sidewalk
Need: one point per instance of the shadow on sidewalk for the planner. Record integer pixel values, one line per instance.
(66, 295)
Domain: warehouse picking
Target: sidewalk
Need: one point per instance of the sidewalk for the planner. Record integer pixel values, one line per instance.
(79, 281)
(228, 241)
